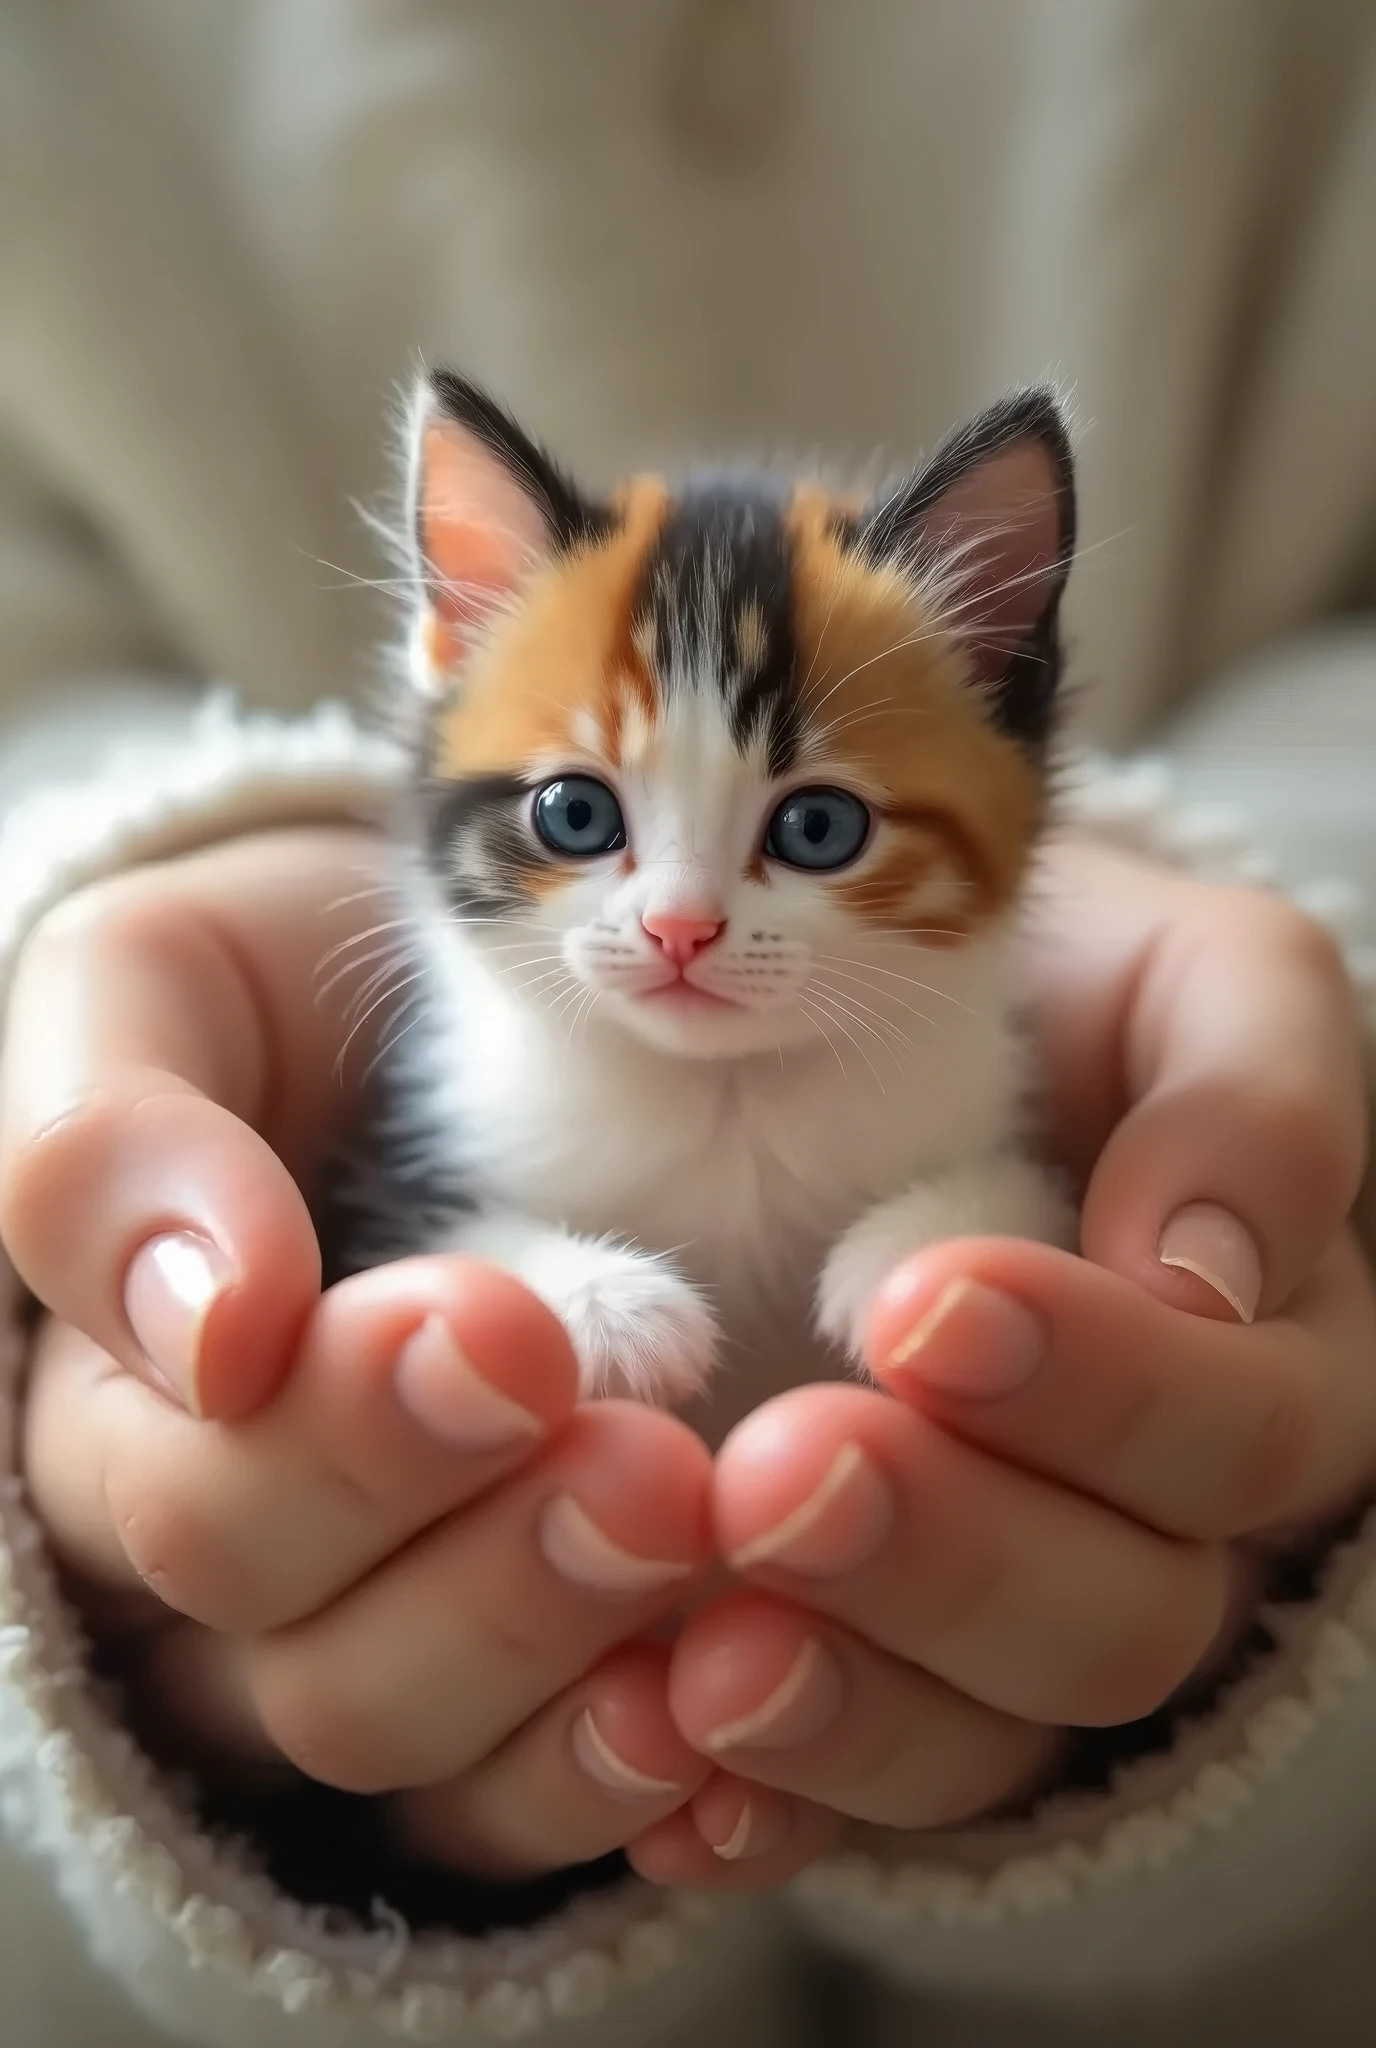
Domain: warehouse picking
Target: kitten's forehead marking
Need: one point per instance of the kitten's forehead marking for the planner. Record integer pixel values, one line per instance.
(715, 609)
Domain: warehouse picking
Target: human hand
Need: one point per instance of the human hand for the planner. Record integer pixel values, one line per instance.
(366, 1533)
(1051, 1524)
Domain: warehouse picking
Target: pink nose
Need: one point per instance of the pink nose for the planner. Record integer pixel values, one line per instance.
(682, 938)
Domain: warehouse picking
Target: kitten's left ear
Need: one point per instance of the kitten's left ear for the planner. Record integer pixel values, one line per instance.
(991, 517)
(486, 506)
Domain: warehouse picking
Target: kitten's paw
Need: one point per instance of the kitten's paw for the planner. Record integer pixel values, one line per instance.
(1004, 1197)
(640, 1331)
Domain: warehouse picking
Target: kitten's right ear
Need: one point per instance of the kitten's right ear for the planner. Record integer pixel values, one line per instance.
(486, 505)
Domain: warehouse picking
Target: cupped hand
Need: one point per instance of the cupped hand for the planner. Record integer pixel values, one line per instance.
(367, 1534)
(1048, 1516)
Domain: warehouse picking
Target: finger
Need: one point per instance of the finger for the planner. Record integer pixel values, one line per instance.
(1025, 1596)
(1209, 1040)
(158, 1024)
(595, 1767)
(1201, 1429)
(418, 1386)
(734, 1837)
(808, 1708)
(421, 1670)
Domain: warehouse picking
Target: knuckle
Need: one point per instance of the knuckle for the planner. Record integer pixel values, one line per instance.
(168, 1529)
(317, 1726)
(1306, 944)
(102, 919)
(1126, 1421)
(39, 1174)
(973, 1587)
(891, 1778)
(515, 1644)
(884, 1773)
(1274, 1465)
(1321, 1147)
(1135, 1675)
(1323, 1135)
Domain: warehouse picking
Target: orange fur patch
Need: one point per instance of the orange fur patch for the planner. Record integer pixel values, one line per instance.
(889, 704)
(565, 663)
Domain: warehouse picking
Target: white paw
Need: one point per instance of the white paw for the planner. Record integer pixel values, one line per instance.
(639, 1330)
(1005, 1197)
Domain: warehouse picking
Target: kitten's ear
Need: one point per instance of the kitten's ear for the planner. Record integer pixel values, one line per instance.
(991, 516)
(486, 506)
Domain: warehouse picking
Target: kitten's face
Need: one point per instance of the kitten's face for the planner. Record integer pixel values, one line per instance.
(714, 768)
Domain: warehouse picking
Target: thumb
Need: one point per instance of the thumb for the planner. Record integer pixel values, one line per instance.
(1242, 1150)
(153, 1023)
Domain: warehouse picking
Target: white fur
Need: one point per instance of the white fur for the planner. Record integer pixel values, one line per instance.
(637, 1327)
(631, 1183)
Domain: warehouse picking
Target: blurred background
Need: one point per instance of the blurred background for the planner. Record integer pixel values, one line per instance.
(665, 229)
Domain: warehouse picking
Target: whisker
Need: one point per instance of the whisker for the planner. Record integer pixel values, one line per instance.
(359, 1022)
(810, 1010)
(571, 997)
(529, 988)
(892, 974)
(858, 1013)
(380, 977)
(360, 896)
(390, 1044)
(374, 931)
(383, 988)
(856, 1043)
(903, 1038)
(393, 956)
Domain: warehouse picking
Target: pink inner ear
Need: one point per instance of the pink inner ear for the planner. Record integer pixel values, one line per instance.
(1000, 526)
(479, 532)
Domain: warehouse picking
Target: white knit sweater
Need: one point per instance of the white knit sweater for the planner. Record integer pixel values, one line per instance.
(1257, 1817)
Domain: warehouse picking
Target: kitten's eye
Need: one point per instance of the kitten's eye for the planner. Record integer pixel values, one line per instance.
(817, 828)
(580, 817)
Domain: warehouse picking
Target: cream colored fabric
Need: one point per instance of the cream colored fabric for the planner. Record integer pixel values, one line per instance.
(664, 228)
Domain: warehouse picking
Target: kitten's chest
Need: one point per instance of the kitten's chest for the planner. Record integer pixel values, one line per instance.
(718, 1181)
(745, 1177)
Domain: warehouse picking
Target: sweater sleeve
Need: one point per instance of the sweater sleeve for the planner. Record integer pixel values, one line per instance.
(1183, 1845)
(205, 1932)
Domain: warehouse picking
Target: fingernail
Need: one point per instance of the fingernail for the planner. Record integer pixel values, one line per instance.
(171, 1286)
(806, 1700)
(612, 1772)
(975, 1341)
(580, 1551)
(758, 1831)
(1209, 1242)
(842, 1522)
(445, 1393)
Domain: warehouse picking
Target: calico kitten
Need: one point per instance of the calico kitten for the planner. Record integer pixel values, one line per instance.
(724, 798)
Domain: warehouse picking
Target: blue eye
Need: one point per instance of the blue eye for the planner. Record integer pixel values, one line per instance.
(817, 828)
(579, 817)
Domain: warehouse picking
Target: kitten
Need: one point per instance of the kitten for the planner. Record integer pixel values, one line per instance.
(724, 799)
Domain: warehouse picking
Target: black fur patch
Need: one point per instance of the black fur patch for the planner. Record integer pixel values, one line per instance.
(716, 601)
(477, 842)
(1023, 697)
